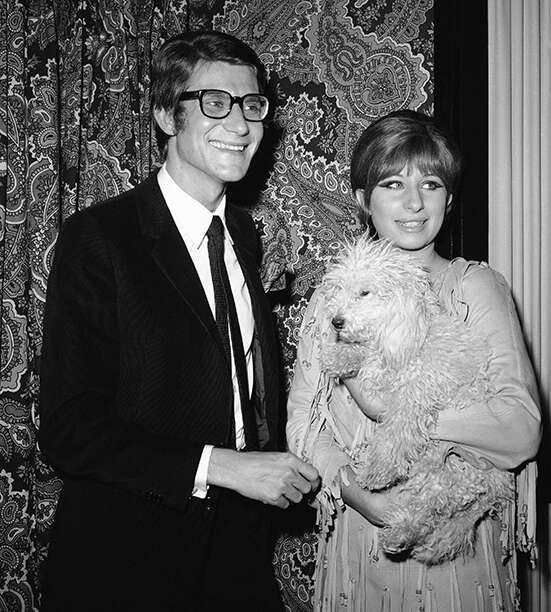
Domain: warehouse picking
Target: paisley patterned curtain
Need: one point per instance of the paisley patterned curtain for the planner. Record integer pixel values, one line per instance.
(75, 129)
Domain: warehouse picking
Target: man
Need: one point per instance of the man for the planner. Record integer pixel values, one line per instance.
(159, 367)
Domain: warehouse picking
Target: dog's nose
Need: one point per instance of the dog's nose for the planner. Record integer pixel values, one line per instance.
(337, 322)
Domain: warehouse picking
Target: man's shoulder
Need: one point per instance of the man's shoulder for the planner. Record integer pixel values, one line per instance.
(241, 215)
(114, 221)
(243, 229)
(116, 209)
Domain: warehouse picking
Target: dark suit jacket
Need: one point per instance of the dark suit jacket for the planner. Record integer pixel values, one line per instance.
(134, 383)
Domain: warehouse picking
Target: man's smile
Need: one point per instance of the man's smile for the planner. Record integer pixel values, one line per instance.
(227, 146)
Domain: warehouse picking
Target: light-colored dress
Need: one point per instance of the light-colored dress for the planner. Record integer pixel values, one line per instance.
(352, 573)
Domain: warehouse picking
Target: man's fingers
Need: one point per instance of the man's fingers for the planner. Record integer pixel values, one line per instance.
(293, 494)
(303, 485)
(275, 478)
(306, 470)
(309, 472)
(282, 502)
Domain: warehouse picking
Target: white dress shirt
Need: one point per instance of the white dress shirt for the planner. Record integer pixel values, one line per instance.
(193, 220)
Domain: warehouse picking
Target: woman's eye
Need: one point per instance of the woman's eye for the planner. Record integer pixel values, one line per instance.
(432, 185)
(364, 292)
(391, 184)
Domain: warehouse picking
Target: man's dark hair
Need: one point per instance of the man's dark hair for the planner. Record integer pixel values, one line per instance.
(178, 57)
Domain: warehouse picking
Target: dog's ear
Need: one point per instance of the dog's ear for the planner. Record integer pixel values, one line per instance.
(404, 330)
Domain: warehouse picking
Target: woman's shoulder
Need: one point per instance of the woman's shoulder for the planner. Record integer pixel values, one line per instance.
(475, 275)
(467, 281)
(460, 267)
(472, 272)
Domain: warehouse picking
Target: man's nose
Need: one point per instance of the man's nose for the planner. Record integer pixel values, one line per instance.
(235, 122)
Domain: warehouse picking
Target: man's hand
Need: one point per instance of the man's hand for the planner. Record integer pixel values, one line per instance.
(273, 478)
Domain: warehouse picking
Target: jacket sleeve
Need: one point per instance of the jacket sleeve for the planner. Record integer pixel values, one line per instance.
(81, 432)
(505, 429)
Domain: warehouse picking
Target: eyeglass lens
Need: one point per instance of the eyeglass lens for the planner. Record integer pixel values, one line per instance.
(217, 104)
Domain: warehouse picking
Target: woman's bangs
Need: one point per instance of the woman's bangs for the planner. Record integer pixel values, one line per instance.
(427, 158)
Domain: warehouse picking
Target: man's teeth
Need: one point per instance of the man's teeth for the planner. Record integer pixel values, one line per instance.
(229, 147)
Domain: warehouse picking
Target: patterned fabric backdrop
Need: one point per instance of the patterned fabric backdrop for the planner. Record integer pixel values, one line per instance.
(75, 129)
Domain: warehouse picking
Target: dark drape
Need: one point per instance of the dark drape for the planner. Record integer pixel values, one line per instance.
(75, 129)
(461, 103)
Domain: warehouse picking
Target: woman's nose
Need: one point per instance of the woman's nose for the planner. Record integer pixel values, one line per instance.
(414, 200)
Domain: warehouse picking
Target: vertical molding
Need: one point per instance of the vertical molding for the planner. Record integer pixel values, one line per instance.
(460, 103)
(519, 164)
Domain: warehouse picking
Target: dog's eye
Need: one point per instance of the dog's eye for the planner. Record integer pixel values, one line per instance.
(365, 292)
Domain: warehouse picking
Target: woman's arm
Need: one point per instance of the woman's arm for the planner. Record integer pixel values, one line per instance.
(371, 505)
(372, 407)
(306, 436)
(505, 429)
(321, 446)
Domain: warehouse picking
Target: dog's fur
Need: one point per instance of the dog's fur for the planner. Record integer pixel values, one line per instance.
(391, 332)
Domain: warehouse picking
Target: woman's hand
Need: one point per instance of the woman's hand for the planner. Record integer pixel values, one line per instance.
(371, 407)
(371, 505)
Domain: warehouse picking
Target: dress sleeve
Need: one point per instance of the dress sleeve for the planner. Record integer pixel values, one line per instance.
(309, 434)
(505, 429)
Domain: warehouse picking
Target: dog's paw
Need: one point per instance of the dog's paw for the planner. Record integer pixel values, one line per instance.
(341, 359)
(380, 465)
(400, 537)
(447, 540)
(375, 476)
(422, 536)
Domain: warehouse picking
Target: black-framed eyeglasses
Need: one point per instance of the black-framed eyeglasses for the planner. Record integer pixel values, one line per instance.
(217, 103)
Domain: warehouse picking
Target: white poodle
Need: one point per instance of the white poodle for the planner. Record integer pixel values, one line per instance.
(391, 331)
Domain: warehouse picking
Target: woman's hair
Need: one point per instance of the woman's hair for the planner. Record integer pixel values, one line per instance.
(402, 138)
(176, 60)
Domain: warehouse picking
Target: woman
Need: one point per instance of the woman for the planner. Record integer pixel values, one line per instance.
(404, 171)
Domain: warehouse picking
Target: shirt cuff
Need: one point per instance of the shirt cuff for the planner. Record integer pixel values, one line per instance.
(200, 486)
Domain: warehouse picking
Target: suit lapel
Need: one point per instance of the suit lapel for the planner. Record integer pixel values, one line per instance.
(169, 252)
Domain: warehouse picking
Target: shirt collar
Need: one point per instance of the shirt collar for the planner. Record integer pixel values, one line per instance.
(191, 217)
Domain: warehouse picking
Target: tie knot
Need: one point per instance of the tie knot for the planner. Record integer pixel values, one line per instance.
(216, 229)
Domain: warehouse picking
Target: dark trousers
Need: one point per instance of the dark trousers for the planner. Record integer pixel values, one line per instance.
(111, 551)
(238, 570)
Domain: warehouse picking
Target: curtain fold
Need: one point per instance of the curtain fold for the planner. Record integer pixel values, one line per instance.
(519, 33)
(75, 129)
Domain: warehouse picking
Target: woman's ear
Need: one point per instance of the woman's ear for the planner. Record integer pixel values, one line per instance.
(449, 203)
(359, 195)
(165, 121)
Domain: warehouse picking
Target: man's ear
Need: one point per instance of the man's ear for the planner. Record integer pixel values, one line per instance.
(359, 195)
(165, 121)
(449, 203)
